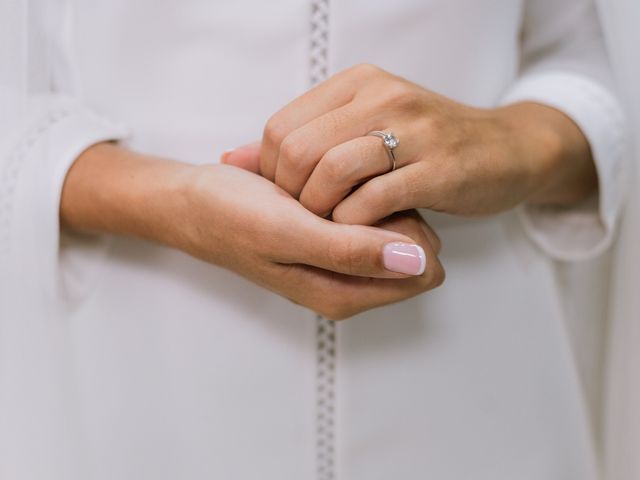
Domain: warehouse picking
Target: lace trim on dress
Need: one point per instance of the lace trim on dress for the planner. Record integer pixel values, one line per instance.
(325, 329)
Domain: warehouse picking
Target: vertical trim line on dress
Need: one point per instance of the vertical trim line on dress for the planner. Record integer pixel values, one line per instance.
(325, 329)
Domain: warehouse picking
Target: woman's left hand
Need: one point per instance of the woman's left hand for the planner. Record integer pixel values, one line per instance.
(451, 157)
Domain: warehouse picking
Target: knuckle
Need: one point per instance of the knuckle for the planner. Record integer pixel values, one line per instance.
(366, 70)
(436, 123)
(291, 151)
(337, 312)
(340, 214)
(314, 203)
(398, 93)
(345, 256)
(275, 130)
(333, 305)
(339, 254)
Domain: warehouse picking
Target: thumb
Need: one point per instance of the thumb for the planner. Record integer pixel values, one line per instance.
(246, 157)
(360, 250)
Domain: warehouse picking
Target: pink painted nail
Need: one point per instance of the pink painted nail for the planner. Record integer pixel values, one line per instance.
(404, 258)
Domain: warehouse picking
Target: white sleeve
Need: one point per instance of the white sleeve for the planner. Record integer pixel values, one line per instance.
(43, 129)
(564, 65)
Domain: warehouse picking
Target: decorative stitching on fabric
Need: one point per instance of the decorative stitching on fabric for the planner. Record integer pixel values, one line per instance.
(319, 41)
(325, 397)
(12, 168)
(325, 329)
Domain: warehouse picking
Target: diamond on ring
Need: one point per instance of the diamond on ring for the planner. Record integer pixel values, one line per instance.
(390, 142)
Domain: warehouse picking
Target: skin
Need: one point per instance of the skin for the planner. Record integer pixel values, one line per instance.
(242, 222)
(314, 152)
(452, 158)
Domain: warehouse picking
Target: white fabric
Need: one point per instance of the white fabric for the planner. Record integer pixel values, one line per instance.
(572, 80)
(135, 361)
(621, 19)
(583, 231)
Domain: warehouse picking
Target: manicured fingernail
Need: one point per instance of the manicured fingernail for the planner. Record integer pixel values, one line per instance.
(405, 258)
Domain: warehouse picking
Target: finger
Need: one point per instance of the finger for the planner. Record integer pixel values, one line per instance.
(329, 95)
(246, 157)
(406, 221)
(432, 236)
(357, 250)
(342, 168)
(303, 148)
(338, 296)
(381, 196)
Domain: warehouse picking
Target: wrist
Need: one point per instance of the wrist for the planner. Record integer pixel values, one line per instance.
(113, 190)
(556, 154)
(533, 142)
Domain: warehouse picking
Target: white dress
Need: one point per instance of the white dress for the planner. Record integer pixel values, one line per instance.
(124, 360)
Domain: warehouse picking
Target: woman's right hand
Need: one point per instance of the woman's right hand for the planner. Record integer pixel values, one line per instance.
(241, 221)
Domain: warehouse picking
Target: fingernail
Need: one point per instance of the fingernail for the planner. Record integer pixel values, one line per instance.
(225, 154)
(248, 146)
(404, 258)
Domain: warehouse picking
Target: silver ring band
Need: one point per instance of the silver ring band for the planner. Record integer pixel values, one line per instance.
(390, 142)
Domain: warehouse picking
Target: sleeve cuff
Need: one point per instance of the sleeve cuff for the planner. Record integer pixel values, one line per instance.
(64, 129)
(585, 230)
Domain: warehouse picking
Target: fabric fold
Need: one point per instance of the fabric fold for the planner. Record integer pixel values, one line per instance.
(57, 130)
(587, 229)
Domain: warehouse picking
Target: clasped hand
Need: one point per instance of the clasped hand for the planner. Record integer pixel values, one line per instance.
(326, 224)
(452, 157)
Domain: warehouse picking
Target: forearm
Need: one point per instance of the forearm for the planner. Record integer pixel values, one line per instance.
(240, 221)
(110, 189)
